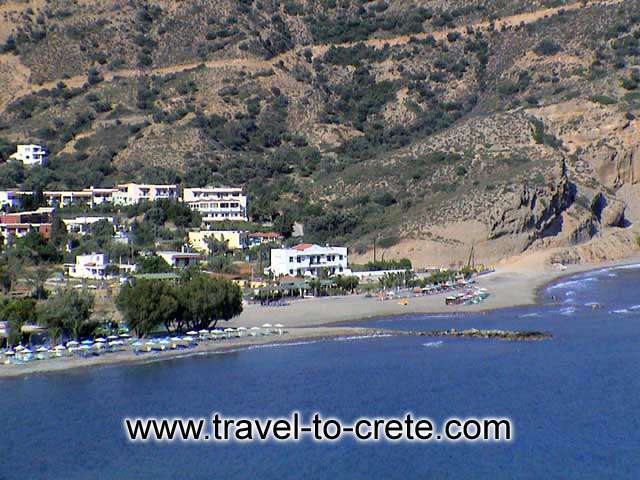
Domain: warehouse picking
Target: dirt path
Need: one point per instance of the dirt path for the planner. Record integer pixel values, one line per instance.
(257, 64)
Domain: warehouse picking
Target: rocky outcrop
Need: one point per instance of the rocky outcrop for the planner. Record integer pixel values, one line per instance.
(534, 210)
(608, 211)
(610, 245)
(489, 334)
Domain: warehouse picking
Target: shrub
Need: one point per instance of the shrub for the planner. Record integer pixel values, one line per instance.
(603, 100)
(547, 47)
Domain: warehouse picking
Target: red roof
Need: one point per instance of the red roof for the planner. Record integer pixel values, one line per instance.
(303, 246)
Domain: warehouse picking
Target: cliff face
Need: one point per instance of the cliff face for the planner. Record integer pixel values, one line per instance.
(559, 214)
(533, 211)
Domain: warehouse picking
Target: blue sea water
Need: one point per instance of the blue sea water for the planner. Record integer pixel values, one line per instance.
(574, 400)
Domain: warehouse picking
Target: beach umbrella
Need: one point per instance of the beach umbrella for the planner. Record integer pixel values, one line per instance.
(229, 330)
(204, 331)
(87, 342)
(255, 328)
(191, 332)
(112, 337)
(84, 347)
(125, 335)
(42, 349)
(9, 353)
(72, 343)
(98, 345)
(19, 348)
(101, 340)
(25, 350)
(242, 329)
(59, 347)
(279, 325)
(267, 325)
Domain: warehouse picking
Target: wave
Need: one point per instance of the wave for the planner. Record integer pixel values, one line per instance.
(525, 315)
(437, 344)
(578, 282)
(159, 357)
(631, 266)
(620, 311)
(362, 337)
(609, 270)
(568, 311)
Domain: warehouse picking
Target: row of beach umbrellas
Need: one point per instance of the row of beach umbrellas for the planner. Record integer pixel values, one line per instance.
(114, 341)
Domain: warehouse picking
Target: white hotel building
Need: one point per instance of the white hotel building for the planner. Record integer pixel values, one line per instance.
(217, 204)
(307, 260)
(132, 193)
(30, 155)
(91, 267)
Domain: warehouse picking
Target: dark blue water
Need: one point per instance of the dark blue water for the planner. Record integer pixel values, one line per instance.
(574, 400)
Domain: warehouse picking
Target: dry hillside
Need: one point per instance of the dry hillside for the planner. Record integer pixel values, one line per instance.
(430, 125)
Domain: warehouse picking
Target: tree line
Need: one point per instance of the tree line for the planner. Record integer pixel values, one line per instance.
(196, 303)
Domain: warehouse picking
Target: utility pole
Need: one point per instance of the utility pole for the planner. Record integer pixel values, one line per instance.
(374, 249)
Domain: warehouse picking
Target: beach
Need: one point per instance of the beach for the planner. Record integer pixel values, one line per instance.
(294, 336)
(313, 319)
(514, 284)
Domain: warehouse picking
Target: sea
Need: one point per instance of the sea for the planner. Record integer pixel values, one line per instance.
(574, 400)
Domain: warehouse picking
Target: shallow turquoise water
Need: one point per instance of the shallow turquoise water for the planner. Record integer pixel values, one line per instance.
(574, 400)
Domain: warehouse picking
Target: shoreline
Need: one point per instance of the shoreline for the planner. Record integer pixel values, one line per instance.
(321, 319)
(128, 357)
(517, 285)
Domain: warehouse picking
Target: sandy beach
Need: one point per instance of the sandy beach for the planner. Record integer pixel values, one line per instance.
(513, 284)
(293, 336)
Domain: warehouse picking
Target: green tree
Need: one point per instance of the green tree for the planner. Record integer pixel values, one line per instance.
(18, 313)
(205, 300)
(59, 232)
(102, 231)
(348, 284)
(36, 277)
(148, 304)
(67, 314)
(284, 225)
(153, 264)
(37, 249)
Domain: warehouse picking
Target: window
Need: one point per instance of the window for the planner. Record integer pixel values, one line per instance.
(291, 271)
(291, 259)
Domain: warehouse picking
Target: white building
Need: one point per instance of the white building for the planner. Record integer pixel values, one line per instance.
(30, 155)
(12, 198)
(180, 259)
(132, 193)
(82, 225)
(89, 196)
(217, 204)
(309, 260)
(91, 267)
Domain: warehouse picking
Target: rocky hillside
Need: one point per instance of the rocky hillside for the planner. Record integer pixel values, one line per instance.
(430, 125)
